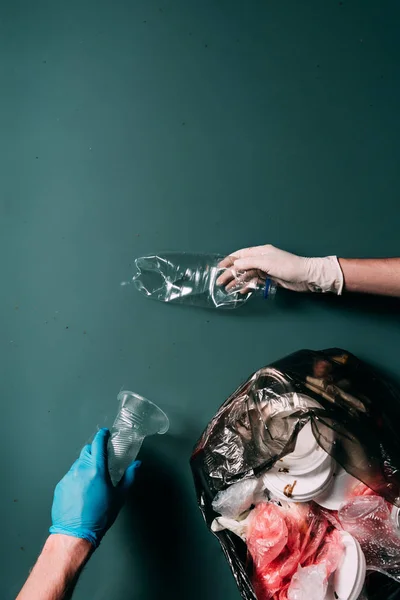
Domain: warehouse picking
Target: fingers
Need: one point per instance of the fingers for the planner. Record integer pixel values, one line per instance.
(251, 286)
(227, 262)
(228, 274)
(99, 447)
(253, 251)
(85, 452)
(233, 262)
(129, 477)
(235, 280)
(242, 279)
(226, 277)
(252, 262)
(76, 463)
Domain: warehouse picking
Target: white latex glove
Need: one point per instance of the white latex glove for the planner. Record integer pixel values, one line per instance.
(250, 265)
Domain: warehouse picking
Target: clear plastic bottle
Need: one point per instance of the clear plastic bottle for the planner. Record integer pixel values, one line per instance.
(136, 419)
(189, 278)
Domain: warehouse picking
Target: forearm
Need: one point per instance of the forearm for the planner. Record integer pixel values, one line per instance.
(372, 275)
(57, 569)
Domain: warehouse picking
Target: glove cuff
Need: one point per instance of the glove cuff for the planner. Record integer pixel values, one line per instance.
(82, 534)
(325, 275)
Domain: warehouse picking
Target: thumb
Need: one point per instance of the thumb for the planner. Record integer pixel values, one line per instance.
(99, 447)
(129, 476)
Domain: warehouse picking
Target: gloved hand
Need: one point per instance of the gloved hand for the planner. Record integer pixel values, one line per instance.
(85, 501)
(296, 273)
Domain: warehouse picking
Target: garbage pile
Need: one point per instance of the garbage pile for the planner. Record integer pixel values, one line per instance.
(297, 475)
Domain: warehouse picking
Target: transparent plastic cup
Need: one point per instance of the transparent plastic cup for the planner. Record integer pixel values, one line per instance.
(137, 418)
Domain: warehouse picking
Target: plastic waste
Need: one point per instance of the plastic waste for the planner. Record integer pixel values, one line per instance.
(259, 423)
(348, 580)
(330, 562)
(308, 583)
(280, 538)
(298, 488)
(238, 498)
(340, 490)
(369, 520)
(295, 417)
(395, 516)
(238, 527)
(189, 278)
(137, 418)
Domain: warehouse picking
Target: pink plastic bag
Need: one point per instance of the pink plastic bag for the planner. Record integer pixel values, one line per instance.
(280, 538)
(267, 534)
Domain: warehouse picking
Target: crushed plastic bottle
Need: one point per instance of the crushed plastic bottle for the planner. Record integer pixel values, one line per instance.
(189, 278)
(136, 419)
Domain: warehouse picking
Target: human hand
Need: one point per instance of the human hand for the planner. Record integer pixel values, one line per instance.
(250, 266)
(86, 503)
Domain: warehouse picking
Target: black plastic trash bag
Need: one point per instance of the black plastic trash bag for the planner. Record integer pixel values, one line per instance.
(355, 419)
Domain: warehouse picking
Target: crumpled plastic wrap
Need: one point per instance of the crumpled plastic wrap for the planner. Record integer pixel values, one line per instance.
(308, 583)
(355, 421)
(238, 498)
(368, 519)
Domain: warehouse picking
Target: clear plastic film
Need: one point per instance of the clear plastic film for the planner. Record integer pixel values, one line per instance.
(369, 519)
(352, 414)
(238, 498)
(308, 583)
(204, 280)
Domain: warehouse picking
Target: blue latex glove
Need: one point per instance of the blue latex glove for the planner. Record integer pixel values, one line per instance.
(85, 501)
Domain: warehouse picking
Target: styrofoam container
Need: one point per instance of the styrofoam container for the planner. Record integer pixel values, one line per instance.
(298, 488)
(339, 490)
(348, 580)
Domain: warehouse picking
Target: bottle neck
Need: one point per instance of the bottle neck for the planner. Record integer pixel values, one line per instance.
(266, 289)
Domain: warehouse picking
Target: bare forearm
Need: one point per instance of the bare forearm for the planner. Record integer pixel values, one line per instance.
(57, 569)
(372, 275)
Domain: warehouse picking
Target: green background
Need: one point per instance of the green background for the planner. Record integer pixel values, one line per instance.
(130, 127)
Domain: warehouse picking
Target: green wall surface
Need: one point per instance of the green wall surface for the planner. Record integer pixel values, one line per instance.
(130, 127)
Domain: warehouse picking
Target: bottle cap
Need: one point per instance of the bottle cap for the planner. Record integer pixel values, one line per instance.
(269, 290)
